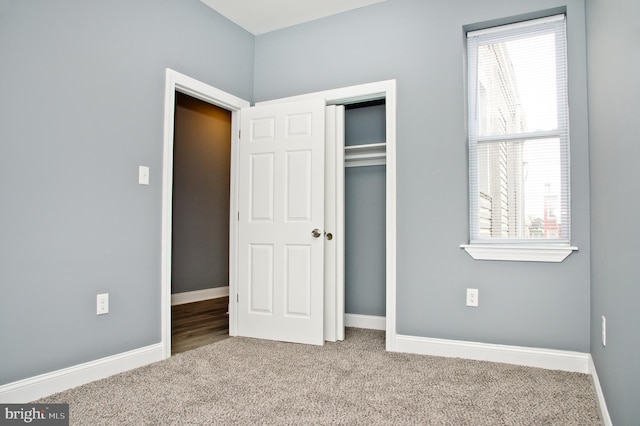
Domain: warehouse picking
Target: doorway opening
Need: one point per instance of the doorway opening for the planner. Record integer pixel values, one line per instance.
(176, 85)
(200, 223)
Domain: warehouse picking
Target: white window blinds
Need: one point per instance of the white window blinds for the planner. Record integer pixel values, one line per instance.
(519, 133)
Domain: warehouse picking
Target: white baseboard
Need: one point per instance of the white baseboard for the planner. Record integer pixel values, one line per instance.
(602, 404)
(551, 359)
(33, 388)
(198, 295)
(365, 321)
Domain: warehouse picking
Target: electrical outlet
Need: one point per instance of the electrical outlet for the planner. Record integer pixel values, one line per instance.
(102, 304)
(604, 331)
(472, 297)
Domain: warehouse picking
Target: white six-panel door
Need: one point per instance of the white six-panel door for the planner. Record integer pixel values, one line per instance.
(281, 203)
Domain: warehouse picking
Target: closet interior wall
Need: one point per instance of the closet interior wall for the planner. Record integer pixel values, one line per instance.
(365, 207)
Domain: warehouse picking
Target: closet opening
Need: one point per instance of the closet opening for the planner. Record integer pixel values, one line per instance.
(365, 214)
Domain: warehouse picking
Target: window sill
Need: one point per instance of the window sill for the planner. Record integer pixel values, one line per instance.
(519, 253)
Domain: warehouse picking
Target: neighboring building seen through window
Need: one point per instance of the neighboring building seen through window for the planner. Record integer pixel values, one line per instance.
(519, 133)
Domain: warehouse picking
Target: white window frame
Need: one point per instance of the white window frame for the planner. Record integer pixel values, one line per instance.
(512, 249)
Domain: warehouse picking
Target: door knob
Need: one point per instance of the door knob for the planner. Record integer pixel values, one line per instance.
(329, 236)
(316, 233)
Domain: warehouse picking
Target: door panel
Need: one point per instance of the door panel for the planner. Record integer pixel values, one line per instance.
(262, 180)
(298, 280)
(261, 278)
(298, 186)
(281, 189)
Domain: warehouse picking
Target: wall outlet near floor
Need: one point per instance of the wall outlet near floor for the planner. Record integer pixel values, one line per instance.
(604, 331)
(102, 304)
(472, 297)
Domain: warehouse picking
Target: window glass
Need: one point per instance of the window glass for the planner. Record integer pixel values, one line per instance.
(519, 133)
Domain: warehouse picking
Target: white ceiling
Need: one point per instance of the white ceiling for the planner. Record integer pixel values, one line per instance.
(262, 16)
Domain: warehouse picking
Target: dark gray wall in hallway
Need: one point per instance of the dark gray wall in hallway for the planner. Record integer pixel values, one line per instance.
(614, 91)
(82, 107)
(421, 44)
(201, 177)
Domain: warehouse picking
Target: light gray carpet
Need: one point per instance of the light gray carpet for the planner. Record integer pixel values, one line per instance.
(249, 381)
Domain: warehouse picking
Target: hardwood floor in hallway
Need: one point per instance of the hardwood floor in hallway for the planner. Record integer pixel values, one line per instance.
(199, 323)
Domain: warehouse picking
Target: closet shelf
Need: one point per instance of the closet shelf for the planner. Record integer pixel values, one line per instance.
(365, 155)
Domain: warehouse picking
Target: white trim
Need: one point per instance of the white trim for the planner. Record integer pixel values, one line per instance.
(542, 134)
(602, 404)
(339, 197)
(370, 322)
(334, 135)
(519, 253)
(391, 195)
(199, 295)
(33, 388)
(345, 95)
(184, 84)
(552, 359)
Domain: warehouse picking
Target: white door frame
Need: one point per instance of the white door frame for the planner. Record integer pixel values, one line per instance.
(176, 81)
(362, 93)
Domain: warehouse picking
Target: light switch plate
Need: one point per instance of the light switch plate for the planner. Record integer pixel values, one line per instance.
(143, 175)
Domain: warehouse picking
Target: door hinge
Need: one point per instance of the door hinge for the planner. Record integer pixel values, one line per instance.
(237, 298)
(239, 134)
(238, 216)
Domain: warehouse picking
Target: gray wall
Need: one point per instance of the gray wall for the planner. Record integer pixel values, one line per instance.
(614, 91)
(82, 106)
(365, 248)
(201, 176)
(365, 123)
(365, 216)
(421, 44)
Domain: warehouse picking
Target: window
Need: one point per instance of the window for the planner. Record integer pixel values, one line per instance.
(519, 136)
